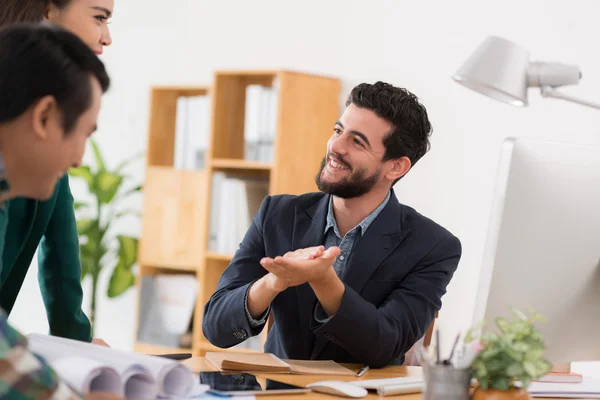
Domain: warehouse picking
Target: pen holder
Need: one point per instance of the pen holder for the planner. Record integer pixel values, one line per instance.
(446, 382)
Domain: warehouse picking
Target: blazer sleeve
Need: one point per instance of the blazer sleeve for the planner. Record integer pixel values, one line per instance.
(59, 274)
(225, 322)
(401, 319)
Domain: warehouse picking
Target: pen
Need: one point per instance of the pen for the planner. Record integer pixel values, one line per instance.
(448, 361)
(362, 371)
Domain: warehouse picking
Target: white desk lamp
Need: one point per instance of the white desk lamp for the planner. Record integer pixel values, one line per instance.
(501, 69)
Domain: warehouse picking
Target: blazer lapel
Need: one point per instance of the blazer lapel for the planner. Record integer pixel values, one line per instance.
(381, 238)
(308, 231)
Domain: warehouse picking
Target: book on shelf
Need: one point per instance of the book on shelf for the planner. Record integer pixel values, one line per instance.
(260, 122)
(269, 363)
(192, 131)
(235, 200)
(166, 308)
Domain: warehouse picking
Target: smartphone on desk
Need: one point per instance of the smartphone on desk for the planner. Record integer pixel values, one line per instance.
(242, 384)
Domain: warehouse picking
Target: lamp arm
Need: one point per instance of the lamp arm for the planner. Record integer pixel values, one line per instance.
(549, 91)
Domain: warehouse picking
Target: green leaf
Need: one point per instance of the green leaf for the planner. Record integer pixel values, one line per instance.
(521, 347)
(542, 367)
(469, 336)
(500, 384)
(106, 186)
(128, 247)
(519, 314)
(124, 213)
(495, 366)
(77, 205)
(87, 253)
(85, 266)
(132, 191)
(490, 353)
(534, 354)
(530, 368)
(85, 225)
(83, 172)
(503, 324)
(122, 277)
(120, 281)
(98, 155)
(515, 369)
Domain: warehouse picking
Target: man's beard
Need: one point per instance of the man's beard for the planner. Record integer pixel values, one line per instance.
(355, 185)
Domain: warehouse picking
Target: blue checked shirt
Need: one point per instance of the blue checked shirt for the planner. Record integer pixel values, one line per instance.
(346, 243)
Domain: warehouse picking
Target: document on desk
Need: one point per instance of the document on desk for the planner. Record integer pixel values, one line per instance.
(269, 363)
(86, 367)
(588, 388)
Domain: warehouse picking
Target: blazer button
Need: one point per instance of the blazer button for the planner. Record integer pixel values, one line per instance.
(330, 336)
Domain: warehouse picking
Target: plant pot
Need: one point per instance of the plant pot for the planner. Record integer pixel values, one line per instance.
(494, 394)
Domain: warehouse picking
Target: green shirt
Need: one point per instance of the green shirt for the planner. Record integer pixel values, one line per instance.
(50, 225)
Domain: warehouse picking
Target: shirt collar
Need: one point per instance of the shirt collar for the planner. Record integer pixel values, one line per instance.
(363, 225)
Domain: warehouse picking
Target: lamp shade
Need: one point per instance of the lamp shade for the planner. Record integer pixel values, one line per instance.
(497, 69)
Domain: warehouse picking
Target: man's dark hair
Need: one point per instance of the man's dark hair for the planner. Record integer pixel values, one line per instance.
(38, 60)
(411, 127)
(15, 11)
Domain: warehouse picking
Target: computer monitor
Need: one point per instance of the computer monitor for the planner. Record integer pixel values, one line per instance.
(543, 245)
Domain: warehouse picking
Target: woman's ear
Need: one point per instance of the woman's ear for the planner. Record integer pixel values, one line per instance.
(400, 167)
(51, 11)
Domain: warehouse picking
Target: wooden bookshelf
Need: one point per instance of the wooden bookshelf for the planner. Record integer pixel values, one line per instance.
(177, 206)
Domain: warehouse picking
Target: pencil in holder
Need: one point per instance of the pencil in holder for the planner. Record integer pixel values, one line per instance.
(446, 382)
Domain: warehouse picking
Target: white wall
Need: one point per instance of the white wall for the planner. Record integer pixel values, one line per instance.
(413, 44)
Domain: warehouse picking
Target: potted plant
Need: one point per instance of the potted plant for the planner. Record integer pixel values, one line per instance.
(99, 245)
(509, 359)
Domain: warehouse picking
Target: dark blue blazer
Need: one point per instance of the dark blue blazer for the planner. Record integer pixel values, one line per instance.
(394, 281)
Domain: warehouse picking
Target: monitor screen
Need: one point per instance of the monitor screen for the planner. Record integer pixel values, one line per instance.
(543, 245)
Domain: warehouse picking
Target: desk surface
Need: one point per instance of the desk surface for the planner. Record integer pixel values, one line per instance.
(199, 364)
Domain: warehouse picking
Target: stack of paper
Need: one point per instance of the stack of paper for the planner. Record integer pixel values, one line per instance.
(88, 368)
(588, 388)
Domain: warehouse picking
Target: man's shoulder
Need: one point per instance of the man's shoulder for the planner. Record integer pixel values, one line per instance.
(291, 201)
(425, 227)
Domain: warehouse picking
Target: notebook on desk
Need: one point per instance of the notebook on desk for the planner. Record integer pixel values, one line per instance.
(588, 388)
(269, 363)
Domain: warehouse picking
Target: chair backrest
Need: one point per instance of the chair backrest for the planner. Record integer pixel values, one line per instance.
(410, 357)
(429, 333)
